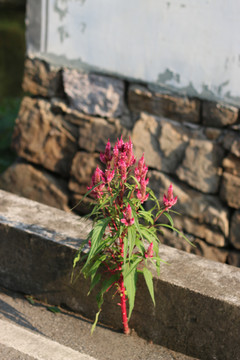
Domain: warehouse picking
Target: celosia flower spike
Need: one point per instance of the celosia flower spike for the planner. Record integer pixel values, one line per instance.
(127, 220)
(169, 200)
(97, 177)
(129, 154)
(123, 170)
(106, 157)
(141, 194)
(109, 175)
(149, 252)
(141, 170)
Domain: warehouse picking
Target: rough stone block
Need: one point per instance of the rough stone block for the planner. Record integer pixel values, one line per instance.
(230, 188)
(231, 142)
(44, 138)
(162, 142)
(206, 209)
(36, 184)
(234, 258)
(93, 94)
(83, 167)
(218, 115)
(231, 165)
(201, 248)
(173, 107)
(201, 165)
(80, 205)
(235, 230)
(94, 134)
(196, 299)
(42, 79)
(202, 231)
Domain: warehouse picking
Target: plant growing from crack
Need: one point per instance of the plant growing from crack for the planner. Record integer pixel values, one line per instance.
(124, 234)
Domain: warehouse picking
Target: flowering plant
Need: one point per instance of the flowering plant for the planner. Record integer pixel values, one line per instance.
(124, 234)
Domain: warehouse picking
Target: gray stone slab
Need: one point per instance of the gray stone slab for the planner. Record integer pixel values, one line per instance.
(197, 301)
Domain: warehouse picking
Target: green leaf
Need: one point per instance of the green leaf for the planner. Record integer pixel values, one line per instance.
(78, 256)
(168, 216)
(53, 309)
(130, 283)
(95, 322)
(105, 286)
(97, 235)
(131, 240)
(30, 300)
(149, 281)
(130, 267)
(132, 177)
(95, 280)
(177, 231)
(125, 242)
(140, 246)
(153, 197)
(147, 216)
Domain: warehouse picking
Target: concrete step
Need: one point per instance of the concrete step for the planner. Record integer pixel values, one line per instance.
(29, 331)
(197, 301)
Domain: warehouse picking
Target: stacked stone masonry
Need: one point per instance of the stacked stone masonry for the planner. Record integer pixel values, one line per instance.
(193, 144)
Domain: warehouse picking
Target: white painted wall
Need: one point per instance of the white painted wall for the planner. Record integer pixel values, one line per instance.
(192, 46)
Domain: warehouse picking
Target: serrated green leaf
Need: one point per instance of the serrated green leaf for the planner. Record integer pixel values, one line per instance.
(149, 282)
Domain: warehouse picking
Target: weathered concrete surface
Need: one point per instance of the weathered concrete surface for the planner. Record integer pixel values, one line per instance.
(197, 301)
(67, 329)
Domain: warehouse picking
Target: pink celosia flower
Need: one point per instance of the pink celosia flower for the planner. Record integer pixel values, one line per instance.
(109, 175)
(123, 169)
(128, 219)
(121, 145)
(106, 157)
(115, 155)
(129, 154)
(169, 200)
(97, 177)
(149, 253)
(141, 194)
(141, 170)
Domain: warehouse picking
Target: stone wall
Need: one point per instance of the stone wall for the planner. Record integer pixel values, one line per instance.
(67, 118)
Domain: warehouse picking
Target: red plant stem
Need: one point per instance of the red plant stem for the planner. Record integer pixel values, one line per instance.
(126, 329)
(159, 215)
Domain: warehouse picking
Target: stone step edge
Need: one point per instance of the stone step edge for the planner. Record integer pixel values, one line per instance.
(196, 299)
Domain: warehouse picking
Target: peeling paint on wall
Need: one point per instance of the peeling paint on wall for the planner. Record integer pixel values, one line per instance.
(186, 47)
